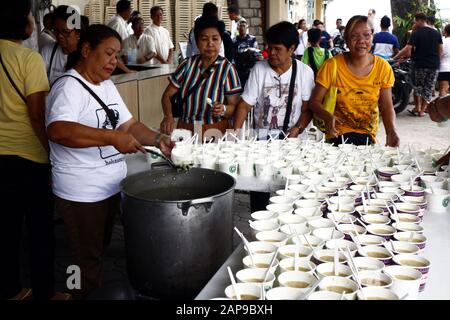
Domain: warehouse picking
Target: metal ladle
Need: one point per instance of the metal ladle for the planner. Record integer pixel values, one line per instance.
(160, 154)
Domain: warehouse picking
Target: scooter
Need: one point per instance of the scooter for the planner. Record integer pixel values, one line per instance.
(403, 86)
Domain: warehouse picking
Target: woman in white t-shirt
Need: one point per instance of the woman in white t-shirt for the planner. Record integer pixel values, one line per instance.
(142, 44)
(267, 93)
(444, 69)
(87, 143)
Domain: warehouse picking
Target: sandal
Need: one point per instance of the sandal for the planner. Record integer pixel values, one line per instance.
(413, 113)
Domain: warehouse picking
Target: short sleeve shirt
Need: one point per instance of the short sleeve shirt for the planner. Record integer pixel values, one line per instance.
(357, 97)
(27, 70)
(268, 92)
(426, 43)
(85, 174)
(222, 81)
(163, 43)
(384, 44)
(144, 45)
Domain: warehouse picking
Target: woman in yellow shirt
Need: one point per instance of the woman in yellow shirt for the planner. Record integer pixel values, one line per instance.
(364, 84)
(25, 192)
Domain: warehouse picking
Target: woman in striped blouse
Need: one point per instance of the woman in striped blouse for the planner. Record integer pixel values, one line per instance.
(208, 83)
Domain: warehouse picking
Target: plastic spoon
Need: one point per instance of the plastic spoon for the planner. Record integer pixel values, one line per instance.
(312, 288)
(233, 283)
(246, 243)
(354, 270)
(336, 259)
(270, 265)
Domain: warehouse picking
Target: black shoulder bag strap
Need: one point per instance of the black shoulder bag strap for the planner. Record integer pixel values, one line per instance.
(109, 113)
(312, 62)
(290, 96)
(49, 69)
(11, 80)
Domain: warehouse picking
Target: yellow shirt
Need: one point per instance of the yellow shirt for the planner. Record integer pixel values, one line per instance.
(357, 97)
(27, 70)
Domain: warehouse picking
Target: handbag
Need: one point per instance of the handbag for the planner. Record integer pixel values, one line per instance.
(329, 101)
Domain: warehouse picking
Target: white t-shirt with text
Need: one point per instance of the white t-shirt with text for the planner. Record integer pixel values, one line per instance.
(85, 174)
(268, 93)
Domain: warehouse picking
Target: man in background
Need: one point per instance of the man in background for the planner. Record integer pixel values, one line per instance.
(385, 44)
(335, 32)
(46, 36)
(119, 21)
(427, 44)
(235, 16)
(373, 21)
(163, 44)
(326, 41)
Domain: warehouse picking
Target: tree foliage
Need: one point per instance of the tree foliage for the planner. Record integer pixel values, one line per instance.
(403, 12)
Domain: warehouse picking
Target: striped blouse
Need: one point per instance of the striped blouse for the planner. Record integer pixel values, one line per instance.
(222, 81)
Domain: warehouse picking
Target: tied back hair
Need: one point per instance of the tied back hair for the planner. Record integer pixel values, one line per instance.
(94, 35)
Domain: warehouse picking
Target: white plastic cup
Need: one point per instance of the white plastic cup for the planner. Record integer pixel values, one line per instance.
(377, 293)
(256, 276)
(338, 285)
(247, 291)
(284, 293)
(246, 167)
(229, 166)
(263, 170)
(438, 200)
(406, 280)
(417, 262)
(296, 279)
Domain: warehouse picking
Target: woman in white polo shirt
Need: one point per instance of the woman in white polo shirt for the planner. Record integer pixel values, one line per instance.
(90, 128)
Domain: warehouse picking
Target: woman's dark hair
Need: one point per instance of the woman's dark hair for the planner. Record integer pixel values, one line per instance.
(283, 33)
(203, 23)
(122, 6)
(352, 23)
(447, 29)
(300, 23)
(314, 35)
(14, 20)
(94, 35)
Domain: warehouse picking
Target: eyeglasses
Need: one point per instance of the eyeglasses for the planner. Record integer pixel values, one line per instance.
(365, 36)
(65, 33)
(278, 79)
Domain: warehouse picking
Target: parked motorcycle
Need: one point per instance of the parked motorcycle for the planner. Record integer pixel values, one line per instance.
(403, 86)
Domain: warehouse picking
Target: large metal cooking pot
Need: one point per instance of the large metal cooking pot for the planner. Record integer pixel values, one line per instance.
(178, 229)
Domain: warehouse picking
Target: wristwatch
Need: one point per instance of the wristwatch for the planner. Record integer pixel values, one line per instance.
(224, 110)
(299, 128)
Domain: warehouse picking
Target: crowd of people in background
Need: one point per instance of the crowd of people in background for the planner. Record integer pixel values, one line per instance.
(84, 128)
